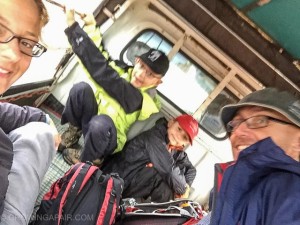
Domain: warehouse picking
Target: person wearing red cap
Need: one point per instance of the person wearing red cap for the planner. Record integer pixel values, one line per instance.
(154, 165)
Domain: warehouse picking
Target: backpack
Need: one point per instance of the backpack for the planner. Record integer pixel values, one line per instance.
(82, 196)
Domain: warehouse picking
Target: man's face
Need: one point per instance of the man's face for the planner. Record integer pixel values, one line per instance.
(21, 17)
(286, 136)
(177, 136)
(143, 76)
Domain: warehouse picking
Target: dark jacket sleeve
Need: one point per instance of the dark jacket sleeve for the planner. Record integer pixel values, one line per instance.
(183, 172)
(13, 116)
(186, 167)
(98, 67)
(163, 162)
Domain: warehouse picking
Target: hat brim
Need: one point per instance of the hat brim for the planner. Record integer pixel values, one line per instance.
(135, 50)
(229, 111)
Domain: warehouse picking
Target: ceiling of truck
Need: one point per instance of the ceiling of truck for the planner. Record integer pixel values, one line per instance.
(260, 35)
(277, 18)
(262, 38)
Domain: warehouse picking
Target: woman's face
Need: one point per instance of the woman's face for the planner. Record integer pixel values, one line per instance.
(21, 17)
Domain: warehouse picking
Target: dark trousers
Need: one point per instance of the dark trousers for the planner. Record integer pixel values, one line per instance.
(99, 131)
(146, 183)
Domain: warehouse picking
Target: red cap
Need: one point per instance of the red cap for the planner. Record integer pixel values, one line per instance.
(189, 124)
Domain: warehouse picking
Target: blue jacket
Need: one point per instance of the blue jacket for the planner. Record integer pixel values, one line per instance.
(261, 188)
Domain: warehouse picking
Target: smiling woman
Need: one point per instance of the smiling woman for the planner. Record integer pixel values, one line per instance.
(53, 38)
(18, 39)
(23, 130)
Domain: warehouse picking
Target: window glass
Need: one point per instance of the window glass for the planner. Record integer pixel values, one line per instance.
(186, 84)
(196, 82)
(210, 119)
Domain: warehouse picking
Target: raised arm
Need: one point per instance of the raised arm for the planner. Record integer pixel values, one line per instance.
(100, 70)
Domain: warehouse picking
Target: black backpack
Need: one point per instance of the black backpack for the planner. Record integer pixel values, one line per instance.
(82, 196)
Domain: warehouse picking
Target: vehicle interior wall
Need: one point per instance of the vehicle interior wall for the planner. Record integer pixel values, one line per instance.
(176, 29)
(129, 22)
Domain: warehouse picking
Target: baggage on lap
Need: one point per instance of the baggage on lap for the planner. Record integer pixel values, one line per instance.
(82, 196)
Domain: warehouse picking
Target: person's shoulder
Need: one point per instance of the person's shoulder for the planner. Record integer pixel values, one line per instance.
(122, 65)
(161, 122)
(159, 127)
(158, 131)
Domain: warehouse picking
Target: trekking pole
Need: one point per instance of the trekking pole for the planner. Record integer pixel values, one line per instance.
(63, 7)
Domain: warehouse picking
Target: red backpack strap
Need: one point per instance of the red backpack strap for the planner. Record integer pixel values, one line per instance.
(85, 173)
(77, 167)
(111, 201)
(56, 186)
(88, 175)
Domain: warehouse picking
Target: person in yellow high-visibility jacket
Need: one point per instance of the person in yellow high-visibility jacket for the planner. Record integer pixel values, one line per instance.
(105, 108)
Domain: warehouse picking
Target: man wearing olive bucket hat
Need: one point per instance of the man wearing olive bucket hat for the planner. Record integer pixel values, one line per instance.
(262, 186)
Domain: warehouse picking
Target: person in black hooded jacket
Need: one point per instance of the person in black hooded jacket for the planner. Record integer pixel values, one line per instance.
(154, 164)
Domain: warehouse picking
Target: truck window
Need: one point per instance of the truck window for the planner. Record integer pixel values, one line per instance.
(183, 72)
